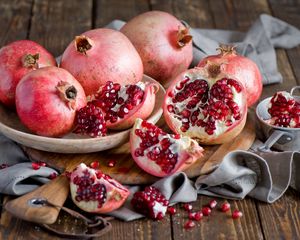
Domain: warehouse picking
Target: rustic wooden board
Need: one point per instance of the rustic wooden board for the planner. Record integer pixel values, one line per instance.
(127, 172)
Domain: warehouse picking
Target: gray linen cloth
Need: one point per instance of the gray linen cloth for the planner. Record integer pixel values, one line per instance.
(261, 175)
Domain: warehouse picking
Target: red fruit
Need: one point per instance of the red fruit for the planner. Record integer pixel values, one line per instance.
(187, 207)
(206, 211)
(284, 110)
(238, 67)
(210, 110)
(197, 216)
(150, 202)
(16, 60)
(213, 204)
(189, 224)
(96, 192)
(90, 121)
(102, 55)
(237, 214)
(225, 207)
(95, 165)
(121, 105)
(159, 153)
(47, 99)
(163, 43)
(171, 210)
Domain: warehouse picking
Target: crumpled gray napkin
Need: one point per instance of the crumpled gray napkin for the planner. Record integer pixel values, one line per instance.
(19, 177)
(257, 43)
(261, 175)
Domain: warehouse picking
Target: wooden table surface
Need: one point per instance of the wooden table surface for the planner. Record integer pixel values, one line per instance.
(54, 23)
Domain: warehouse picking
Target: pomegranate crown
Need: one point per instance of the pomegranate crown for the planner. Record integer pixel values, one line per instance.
(82, 44)
(226, 49)
(183, 36)
(31, 60)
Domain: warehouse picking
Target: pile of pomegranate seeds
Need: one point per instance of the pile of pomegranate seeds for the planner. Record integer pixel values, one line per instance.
(116, 101)
(284, 110)
(90, 120)
(38, 165)
(150, 202)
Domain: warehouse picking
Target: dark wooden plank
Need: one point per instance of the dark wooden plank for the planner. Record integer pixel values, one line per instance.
(289, 12)
(107, 10)
(285, 215)
(54, 24)
(14, 20)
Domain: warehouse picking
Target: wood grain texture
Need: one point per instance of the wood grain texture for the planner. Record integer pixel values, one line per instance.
(15, 20)
(54, 24)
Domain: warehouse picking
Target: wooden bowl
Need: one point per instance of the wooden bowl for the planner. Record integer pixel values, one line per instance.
(11, 127)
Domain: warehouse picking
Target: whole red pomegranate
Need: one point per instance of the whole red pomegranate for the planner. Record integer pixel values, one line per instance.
(16, 60)
(238, 67)
(159, 153)
(96, 192)
(123, 104)
(102, 55)
(284, 110)
(210, 110)
(47, 99)
(163, 43)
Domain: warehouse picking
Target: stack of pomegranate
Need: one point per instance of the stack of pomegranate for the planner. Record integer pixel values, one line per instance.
(98, 86)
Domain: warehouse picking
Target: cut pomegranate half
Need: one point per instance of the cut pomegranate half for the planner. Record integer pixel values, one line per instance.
(94, 191)
(284, 110)
(159, 153)
(123, 104)
(210, 110)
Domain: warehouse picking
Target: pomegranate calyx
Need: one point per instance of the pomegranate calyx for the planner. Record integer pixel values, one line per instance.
(183, 37)
(226, 49)
(31, 60)
(82, 44)
(67, 93)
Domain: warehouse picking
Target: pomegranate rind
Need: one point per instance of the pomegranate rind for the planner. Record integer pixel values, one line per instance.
(143, 110)
(116, 194)
(188, 151)
(227, 133)
(242, 68)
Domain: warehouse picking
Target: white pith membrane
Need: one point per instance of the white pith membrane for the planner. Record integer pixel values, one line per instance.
(114, 99)
(110, 192)
(180, 149)
(195, 130)
(284, 110)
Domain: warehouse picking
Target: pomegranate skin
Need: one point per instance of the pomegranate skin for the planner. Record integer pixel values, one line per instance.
(109, 56)
(13, 66)
(241, 68)
(41, 102)
(222, 136)
(155, 36)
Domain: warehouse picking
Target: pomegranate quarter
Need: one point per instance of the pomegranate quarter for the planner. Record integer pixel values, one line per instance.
(210, 110)
(159, 153)
(16, 60)
(96, 192)
(47, 100)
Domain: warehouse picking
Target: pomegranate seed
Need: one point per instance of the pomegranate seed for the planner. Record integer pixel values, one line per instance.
(95, 165)
(35, 166)
(4, 165)
(171, 210)
(225, 207)
(112, 163)
(188, 207)
(206, 211)
(52, 176)
(67, 174)
(237, 214)
(195, 215)
(189, 224)
(42, 164)
(213, 204)
(150, 202)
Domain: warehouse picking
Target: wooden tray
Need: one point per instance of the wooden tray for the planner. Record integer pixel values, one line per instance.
(127, 172)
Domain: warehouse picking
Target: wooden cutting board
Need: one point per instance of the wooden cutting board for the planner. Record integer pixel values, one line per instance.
(127, 172)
